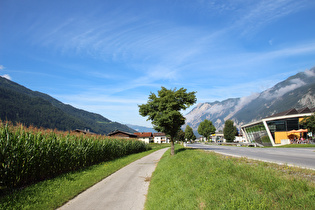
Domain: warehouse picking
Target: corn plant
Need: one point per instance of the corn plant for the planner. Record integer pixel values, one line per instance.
(31, 155)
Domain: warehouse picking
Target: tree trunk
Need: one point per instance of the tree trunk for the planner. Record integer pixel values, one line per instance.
(172, 146)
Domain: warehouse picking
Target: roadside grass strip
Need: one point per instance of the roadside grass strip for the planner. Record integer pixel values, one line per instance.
(50, 194)
(296, 146)
(194, 179)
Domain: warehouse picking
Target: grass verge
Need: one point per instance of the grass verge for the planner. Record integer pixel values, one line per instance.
(51, 194)
(296, 145)
(194, 179)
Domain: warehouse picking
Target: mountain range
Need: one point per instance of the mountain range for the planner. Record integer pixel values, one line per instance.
(142, 128)
(20, 104)
(297, 91)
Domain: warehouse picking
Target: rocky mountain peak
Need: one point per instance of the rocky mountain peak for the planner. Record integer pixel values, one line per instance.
(295, 92)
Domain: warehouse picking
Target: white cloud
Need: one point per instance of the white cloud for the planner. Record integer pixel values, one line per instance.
(295, 83)
(6, 76)
(245, 100)
(310, 73)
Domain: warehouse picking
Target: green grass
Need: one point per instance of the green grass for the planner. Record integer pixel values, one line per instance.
(283, 146)
(159, 146)
(51, 194)
(194, 179)
(296, 145)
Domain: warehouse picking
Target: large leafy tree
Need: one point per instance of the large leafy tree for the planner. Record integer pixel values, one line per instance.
(189, 133)
(164, 110)
(309, 123)
(206, 128)
(229, 131)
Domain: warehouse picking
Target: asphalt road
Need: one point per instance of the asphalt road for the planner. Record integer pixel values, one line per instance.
(125, 189)
(301, 157)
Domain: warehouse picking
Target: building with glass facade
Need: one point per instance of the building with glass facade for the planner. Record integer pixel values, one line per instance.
(279, 129)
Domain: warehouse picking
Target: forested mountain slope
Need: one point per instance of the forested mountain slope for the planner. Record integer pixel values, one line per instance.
(19, 104)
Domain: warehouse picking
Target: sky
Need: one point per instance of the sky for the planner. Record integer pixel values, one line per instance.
(107, 56)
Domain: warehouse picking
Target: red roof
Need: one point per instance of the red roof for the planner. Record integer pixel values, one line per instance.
(143, 134)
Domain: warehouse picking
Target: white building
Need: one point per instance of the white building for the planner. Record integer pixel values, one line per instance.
(145, 136)
(279, 129)
(160, 138)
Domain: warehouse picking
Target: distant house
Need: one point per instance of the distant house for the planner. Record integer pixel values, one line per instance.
(85, 131)
(122, 134)
(147, 137)
(160, 138)
(218, 137)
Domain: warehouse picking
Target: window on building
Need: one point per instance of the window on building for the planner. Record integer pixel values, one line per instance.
(257, 133)
(292, 124)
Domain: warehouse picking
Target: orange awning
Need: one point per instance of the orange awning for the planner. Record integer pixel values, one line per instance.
(299, 131)
(303, 131)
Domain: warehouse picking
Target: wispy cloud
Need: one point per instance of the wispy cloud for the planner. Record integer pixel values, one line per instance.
(262, 13)
(309, 73)
(270, 94)
(116, 52)
(145, 44)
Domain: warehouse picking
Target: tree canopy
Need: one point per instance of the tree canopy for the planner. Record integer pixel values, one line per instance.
(229, 131)
(189, 133)
(164, 110)
(206, 128)
(309, 123)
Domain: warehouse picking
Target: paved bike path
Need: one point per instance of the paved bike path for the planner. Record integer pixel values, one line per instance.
(125, 189)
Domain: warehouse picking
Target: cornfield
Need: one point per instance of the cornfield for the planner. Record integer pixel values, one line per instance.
(31, 155)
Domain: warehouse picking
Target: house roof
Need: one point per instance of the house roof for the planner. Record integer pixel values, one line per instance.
(158, 134)
(304, 110)
(122, 132)
(143, 134)
(293, 111)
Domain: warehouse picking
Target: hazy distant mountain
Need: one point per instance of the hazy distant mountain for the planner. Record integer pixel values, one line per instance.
(297, 91)
(142, 128)
(19, 104)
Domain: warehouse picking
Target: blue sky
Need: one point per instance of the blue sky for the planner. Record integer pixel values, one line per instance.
(107, 56)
